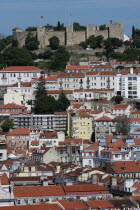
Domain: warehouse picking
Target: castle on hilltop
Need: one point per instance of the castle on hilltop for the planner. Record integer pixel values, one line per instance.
(69, 37)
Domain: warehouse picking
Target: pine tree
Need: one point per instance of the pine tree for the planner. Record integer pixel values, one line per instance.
(62, 102)
(41, 90)
(133, 32)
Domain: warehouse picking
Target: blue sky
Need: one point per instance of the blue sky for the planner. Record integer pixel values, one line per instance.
(24, 13)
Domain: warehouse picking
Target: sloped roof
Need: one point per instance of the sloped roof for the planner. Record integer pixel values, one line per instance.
(38, 191)
(12, 106)
(19, 131)
(21, 68)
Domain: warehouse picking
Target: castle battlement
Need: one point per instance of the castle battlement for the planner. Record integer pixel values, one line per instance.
(70, 37)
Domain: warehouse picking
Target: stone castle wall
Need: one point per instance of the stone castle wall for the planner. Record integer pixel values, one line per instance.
(70, 37)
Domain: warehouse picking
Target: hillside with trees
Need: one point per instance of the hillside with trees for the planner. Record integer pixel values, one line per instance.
(56, 57)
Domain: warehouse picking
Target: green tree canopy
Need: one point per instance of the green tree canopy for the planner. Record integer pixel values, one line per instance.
(31, 28)
(45, 55)
(133, 32)
(4, 41)
(62, 102)
(103, 27)
(59, 27)
(31, 42)
(59, 59)
(7, 125)
(122, 125)
(17, 57)
(41, 90)
(117, 99)
(78, 27)
(54, 42)
(44, 105)
(113, 42)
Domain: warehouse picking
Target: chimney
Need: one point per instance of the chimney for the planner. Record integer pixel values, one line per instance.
(94, 178)
(131, 70)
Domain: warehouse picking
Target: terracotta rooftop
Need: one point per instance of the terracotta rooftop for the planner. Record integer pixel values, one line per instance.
(21, 68)
(84, 188)
(77, 67)
(104, 118)
(49, 135)
(4, 179)
(19, 131)
(121, 106)
(99, 204)
(84, 114)
(22, 84)
(47, 206)
(73, 204)
(38, 191)
(12, 106)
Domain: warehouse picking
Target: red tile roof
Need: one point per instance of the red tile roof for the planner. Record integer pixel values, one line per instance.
(75, 141)
(77, 67)
(49, 135)
(104, 118)
(61, 75)
(38, 191)
(19, 131)
(35, 142)
(84, 188)
(12, 106)
(73, 204)
(48, 206)
(93, 147)
(121, 106)
(21, 68)
(125, 166)
(98, 204)
(84, 114)
(23, 84)
(49, 78)
(4, 179)
(96, 112)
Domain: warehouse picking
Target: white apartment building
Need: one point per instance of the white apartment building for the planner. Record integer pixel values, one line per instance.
(99, 80)
(128, 82)
(13, 74)
(19, 93)
(71, 81)
(121, 109)
(93, 94)
(50, 83)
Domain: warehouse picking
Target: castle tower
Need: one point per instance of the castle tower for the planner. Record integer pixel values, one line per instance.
(116, 30)
(90, 30)
(69, 35)
(41, 32)
(20, 36)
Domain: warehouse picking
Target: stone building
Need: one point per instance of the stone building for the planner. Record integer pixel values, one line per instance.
(70, 37)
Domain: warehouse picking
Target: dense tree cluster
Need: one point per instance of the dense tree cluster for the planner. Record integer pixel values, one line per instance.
(117, 99)
(78, 27)
(5, 41)
(93, 42)
(31, 29)
(14, 56)
(31, 42)
(122, 125)
(59, 59)
(59, 27)
(7, 125)
(46, 104)
(54, 42)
